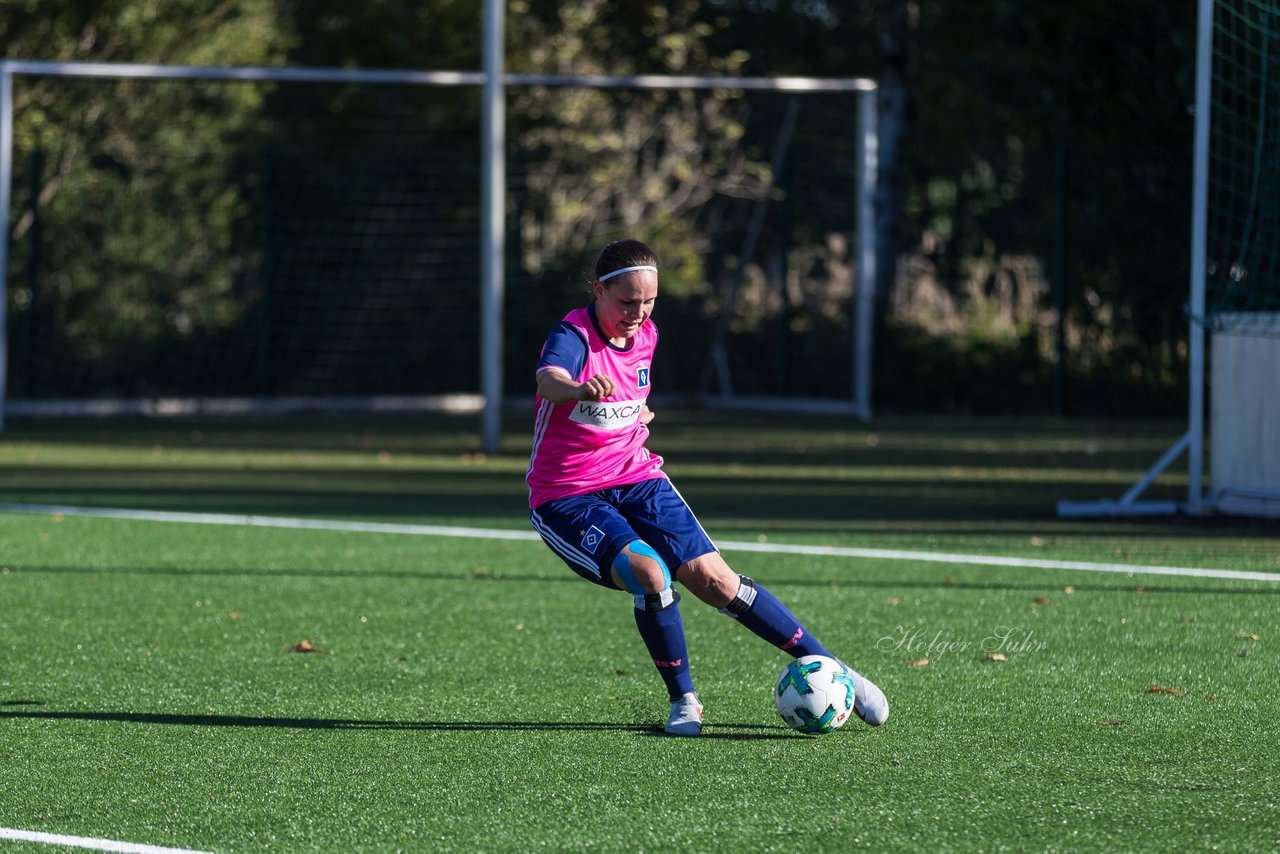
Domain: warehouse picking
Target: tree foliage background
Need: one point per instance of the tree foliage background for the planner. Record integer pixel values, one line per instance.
(1035, 183)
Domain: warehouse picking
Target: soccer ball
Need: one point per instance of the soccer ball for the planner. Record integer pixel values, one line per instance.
(814, 694)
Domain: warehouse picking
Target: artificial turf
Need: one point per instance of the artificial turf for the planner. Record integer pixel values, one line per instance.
(472, 694)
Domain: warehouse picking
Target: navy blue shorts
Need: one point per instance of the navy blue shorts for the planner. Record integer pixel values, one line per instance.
(588, 531)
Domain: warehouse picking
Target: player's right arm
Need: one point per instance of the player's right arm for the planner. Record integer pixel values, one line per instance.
(555, 385)
(564, 357)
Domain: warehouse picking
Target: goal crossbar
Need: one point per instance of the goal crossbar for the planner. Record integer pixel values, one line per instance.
(118, 70)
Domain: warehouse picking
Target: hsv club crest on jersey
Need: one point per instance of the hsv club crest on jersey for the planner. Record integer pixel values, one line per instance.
(599, 443)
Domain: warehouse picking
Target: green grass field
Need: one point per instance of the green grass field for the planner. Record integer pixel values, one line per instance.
(471, 694)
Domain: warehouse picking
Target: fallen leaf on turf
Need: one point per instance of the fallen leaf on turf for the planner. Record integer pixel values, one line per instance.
(304, 646)
(1068, 590)
(234, 615)
(1211, 698)
(1112, 722)
(893, 601)
(1141, 591)
(1041, 600)
(920, 662)
(1247, 635)
(1037, 541)
(997, 656)
(1160, 689)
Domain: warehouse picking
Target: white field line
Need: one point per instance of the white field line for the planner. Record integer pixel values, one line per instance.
(88, 842)
(729, 545)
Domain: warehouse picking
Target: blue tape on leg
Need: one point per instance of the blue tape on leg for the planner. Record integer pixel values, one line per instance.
(622, 566)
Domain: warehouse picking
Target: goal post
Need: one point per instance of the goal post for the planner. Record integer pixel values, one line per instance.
(491, 203)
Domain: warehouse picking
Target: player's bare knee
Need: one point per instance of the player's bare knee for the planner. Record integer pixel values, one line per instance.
(710, 579)
(718, 591)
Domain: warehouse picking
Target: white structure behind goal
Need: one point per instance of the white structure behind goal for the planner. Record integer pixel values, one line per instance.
(1244, 423)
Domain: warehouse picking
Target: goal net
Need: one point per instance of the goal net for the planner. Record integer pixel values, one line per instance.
(238, 245)
(1242, 275)
(178, 239)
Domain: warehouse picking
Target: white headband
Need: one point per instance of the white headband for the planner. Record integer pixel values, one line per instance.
(607, 276)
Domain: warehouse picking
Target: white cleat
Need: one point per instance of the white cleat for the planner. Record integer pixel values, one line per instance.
(869, 702)
(686, 716)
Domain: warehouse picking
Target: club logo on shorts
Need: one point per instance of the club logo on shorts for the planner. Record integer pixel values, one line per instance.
(592, 539)
(642, 377)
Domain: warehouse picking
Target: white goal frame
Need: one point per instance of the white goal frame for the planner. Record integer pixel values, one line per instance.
(493, 81)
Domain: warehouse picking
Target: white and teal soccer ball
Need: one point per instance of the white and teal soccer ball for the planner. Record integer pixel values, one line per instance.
(814, 694)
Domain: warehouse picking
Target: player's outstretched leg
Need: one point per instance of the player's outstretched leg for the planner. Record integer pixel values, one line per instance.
(640, 570)
(761, 612)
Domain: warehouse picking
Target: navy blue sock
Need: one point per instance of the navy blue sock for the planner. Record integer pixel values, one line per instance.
(761, 612)
(662, 629)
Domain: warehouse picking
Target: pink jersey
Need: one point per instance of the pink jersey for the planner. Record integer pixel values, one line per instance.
(585, 446)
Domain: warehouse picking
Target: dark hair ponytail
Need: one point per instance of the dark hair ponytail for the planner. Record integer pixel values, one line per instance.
(624, 253)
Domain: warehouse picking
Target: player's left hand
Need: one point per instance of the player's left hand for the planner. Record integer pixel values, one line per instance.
(646, 414)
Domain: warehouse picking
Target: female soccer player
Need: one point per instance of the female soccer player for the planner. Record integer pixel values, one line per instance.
(601, 501)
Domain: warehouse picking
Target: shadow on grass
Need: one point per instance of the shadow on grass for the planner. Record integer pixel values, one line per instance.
(1261, 587)
(729, 731)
